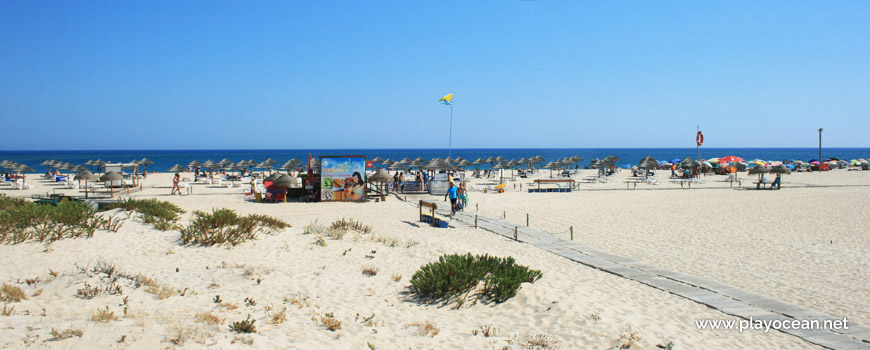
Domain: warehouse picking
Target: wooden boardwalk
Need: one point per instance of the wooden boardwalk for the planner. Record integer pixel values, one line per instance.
(723, 297)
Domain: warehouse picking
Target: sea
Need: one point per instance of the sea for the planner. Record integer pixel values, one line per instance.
(164, 159)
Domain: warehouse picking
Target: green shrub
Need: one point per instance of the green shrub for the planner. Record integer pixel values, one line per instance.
(22, 220)
(225, 226)
(161, 214)
(454, 277)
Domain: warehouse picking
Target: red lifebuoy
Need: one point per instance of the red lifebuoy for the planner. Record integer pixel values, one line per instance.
(699, 138)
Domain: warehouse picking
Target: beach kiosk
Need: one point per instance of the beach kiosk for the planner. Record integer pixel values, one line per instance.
(129, 179)
(438, 184)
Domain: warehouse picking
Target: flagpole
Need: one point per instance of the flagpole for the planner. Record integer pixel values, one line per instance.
(697, 146)
(450, 144)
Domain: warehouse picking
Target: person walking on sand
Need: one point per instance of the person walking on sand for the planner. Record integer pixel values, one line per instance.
(175, 187)
(452, 193)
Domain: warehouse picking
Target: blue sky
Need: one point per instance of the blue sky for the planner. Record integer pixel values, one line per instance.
(342, 74)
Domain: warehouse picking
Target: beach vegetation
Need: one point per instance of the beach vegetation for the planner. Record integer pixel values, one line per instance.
(244, 326)
(453, 278)
(350, 225)
(313, 229)
(10, 293)
(162, 215)
(7, 310)
(426, 329)
(22, 220)
(89, 292)
(370, 271)
(627, 338)
(329, 322)
(225, 226)
(397, 277)
(209, 318)
(104, 315)
(66, 334)
(538, 341)
(278, 317)
(486, 330)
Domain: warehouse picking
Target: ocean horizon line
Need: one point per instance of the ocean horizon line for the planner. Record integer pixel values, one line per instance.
(425, 149)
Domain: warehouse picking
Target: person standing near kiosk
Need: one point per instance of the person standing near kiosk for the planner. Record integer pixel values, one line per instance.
(452, 192)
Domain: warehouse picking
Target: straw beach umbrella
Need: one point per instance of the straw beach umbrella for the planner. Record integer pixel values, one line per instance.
(87, 176)
(284, 181)
(380, 177)
(108, 178)
(24, 168)
(177, 168)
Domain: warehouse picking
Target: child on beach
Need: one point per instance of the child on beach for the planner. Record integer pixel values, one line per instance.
(175, 187)
(463, 195)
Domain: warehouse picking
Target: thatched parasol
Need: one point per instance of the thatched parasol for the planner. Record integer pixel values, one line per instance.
(284, 181)
(108, 178)
(177, 168)
(87, 176)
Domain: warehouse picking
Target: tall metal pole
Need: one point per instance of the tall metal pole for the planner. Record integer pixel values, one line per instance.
(450, 145)
(697, 146)
(820, 145)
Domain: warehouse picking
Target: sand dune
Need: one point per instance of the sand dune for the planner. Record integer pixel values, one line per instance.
(759, 241)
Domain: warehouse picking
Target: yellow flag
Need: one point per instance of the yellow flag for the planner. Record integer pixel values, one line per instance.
(447, 99)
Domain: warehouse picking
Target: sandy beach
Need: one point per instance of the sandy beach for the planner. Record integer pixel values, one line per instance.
(804, 244)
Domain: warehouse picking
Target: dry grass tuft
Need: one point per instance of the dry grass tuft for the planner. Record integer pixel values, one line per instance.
(209, 318)
(628, 338)
(7, 310)
(10, 293)
(538, 341)
(66, 333)
(370, 271)
(397, 277)
(179, 334)
(228, 306)
(161, 292)
(329, 322)
(278, 317)
(104, 315)
(350, 225)
(426, 329)
(486, 331)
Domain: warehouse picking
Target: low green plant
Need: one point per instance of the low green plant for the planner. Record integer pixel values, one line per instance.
(160, 214)
(453, 277)
(22, 220)
(226, 226)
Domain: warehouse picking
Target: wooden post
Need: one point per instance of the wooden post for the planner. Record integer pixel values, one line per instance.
(527, 219)
(476, 207)
(504, 214)
(420, 205)
(475, 221)
(572, 232)
(515, 233)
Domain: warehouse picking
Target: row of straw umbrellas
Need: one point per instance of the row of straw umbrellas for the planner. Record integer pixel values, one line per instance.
(226, 164)
(495, 162)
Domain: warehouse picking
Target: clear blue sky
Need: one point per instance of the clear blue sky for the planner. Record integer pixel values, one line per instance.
(368, 74)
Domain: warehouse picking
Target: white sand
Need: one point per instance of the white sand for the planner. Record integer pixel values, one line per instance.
(786, 259)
